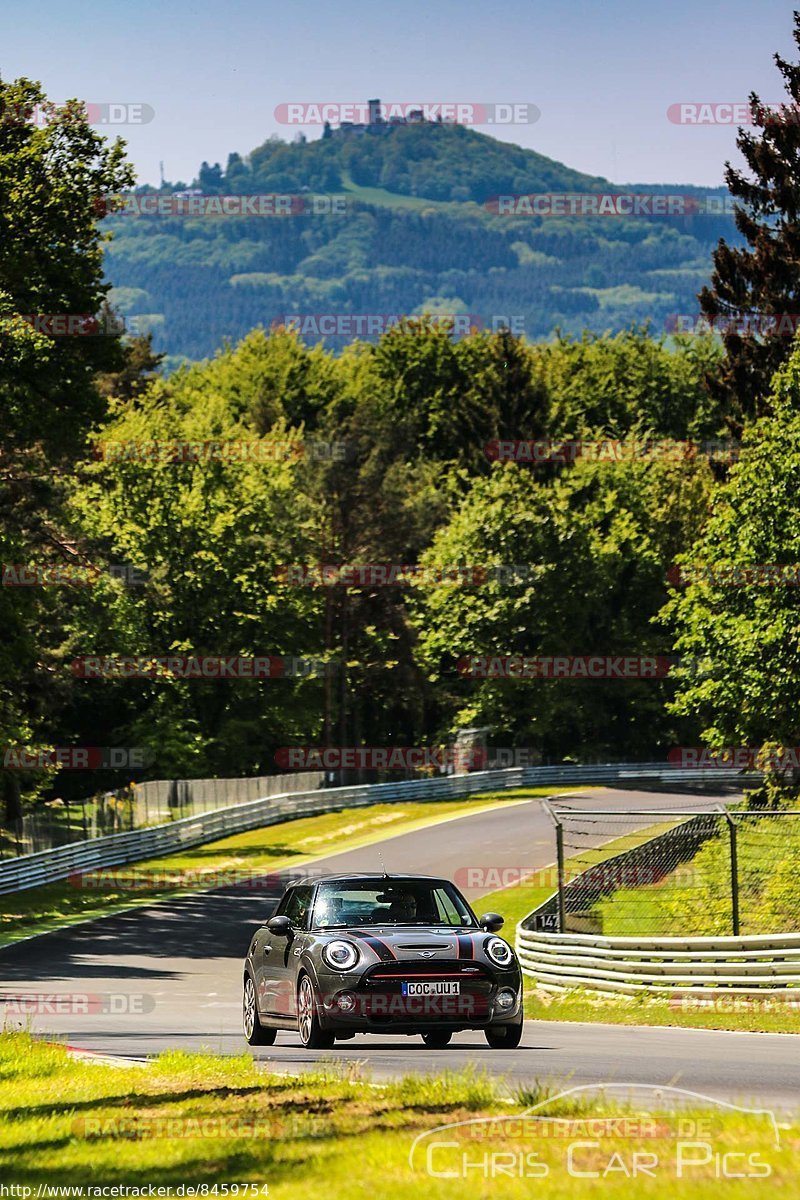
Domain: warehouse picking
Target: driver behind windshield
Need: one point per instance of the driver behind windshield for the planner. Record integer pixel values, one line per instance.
(402, 908)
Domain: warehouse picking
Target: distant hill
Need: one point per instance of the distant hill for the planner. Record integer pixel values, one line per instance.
(419, 232)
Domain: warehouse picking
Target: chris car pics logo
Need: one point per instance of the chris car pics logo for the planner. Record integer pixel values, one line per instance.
(672, 1134)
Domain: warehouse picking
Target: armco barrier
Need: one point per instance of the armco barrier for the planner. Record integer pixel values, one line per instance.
(763, 965)
(48, 866)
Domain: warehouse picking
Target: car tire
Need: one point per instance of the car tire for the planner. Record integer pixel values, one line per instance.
(255, 1033)
(505, 1037)
(312, 1035)
(437, 1039)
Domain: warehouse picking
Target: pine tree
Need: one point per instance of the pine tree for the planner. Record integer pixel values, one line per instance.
(754, 296)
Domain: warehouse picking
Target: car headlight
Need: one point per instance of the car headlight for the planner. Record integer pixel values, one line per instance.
(499, 952)
(341, 956)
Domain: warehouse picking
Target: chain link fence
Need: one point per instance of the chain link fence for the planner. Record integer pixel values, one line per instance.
(138, 806)
(673, 872)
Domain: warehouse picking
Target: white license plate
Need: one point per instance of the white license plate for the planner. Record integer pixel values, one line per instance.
(432, 987)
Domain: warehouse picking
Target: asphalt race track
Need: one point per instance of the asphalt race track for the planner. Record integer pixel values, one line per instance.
(171, 974)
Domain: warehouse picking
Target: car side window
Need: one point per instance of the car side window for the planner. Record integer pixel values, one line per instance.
(297, 908)
(448, 913)
(283, 907)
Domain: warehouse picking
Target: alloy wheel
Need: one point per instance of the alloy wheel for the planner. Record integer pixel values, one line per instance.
(305, 1010)
(249, 1013)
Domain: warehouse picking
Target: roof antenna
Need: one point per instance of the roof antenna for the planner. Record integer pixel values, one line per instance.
(383, 865)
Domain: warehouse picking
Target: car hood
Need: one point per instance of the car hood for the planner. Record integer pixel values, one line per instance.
(414, 942)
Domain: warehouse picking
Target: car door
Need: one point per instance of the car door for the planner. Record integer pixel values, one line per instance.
(266, 953)
(276, 969)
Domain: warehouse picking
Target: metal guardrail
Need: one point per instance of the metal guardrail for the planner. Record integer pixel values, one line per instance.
(49, 866)
(758, 964)
(140, 805)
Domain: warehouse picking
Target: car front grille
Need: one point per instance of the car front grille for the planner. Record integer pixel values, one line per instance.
(383, 1002)
(427, 967)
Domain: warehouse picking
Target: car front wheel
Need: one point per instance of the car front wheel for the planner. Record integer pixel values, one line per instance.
(312, 1035)
(504, 1037)
(255, 1033)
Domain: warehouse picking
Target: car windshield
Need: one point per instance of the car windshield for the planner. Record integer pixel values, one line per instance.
(389, 902)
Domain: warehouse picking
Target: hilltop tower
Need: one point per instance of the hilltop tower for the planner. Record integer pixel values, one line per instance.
(374, 112)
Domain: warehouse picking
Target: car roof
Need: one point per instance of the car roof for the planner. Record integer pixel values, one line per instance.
(378, 877)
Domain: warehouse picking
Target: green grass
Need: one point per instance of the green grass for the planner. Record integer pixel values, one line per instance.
(377, 195)
(696, 897)
(522, 898)
(292, 843)
(200, 1120)
(762, 1015)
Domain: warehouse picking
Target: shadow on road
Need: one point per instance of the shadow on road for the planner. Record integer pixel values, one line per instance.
(135, 944)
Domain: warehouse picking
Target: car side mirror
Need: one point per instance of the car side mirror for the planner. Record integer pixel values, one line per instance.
(280, 926)
(491, 922)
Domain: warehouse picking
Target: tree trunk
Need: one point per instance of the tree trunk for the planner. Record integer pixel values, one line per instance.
(13, 802)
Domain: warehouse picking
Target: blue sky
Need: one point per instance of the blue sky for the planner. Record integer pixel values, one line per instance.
(603, 74)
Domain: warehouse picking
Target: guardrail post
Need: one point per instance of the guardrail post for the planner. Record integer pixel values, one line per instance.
(562, 918)
(734, 873)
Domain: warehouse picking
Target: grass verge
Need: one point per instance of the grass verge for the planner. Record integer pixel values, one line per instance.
(696, 896)
(203, 1121)
(524, 895)
(762, 1015)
